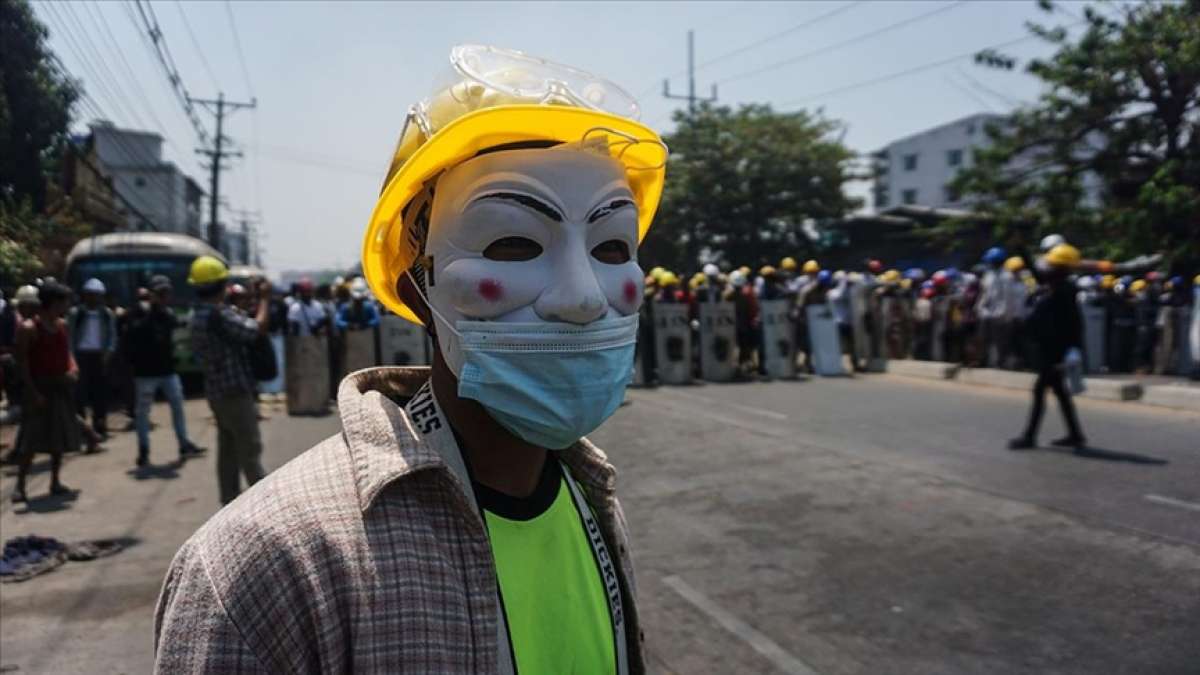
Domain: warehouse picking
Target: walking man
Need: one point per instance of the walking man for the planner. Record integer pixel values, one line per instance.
(150, 348)
(93, 331)
(1052, 329)
(220, 339)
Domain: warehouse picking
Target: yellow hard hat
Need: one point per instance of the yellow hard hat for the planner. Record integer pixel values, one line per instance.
(745, 270)
(207, 270)
(657, 271)
(1064, 255)
(891, 276)
(498, 97)
(696, 281)
(1138, 285)
(1196, 280)
(668, 279)
(789, 264)
(1014, 264)
(906, 284)
(1108, 281)
(811, 267)
(766, 271)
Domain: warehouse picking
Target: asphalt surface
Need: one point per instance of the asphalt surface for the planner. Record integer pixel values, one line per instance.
(870, 525)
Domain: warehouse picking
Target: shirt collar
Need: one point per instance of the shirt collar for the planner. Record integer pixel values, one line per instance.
(385, 448)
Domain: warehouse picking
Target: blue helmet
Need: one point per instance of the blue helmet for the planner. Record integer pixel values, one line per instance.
(824, 277)
(994, 255)
(914, 273)
(928, 283)
(953, 272)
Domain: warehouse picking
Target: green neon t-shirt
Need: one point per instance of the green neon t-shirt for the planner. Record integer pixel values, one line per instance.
(558, 617)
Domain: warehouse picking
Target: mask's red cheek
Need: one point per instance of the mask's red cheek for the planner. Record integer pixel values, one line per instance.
(490, 290)
(629, 291)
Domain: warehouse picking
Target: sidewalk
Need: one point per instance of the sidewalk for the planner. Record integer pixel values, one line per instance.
(98, 616)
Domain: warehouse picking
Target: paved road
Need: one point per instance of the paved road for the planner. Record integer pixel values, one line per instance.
(874, 525)
(878, 525)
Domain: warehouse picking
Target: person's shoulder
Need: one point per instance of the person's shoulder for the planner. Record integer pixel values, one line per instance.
(287, 525)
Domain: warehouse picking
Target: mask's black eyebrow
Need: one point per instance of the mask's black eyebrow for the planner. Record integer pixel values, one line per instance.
(604, 210)
(527, 201)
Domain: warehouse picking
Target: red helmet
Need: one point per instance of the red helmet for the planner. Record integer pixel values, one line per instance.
(874, 266)
(1153, 276)
(305, 285)
(940, 278)
(927, 292)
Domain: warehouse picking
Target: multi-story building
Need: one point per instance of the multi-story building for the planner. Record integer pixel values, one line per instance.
(918, 170)
(161, 196)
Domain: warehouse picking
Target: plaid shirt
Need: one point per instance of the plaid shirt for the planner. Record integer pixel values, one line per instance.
(224, 352)
(361, 555)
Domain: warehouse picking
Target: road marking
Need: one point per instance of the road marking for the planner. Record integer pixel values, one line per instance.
(726, 404)
(1169, 501)
(757, 641)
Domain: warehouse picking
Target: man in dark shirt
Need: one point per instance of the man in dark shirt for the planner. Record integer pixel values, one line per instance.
(150, 349)
(1052, 329)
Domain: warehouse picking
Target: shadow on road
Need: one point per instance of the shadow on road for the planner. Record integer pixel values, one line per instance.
(1116, 456)
(160, 471)
(48, 503)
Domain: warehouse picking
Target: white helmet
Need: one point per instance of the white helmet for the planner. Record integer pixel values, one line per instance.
(358, 288)
(93, 285)
(711, 270)
(737, 278)
(27, 295)
(1051, 240)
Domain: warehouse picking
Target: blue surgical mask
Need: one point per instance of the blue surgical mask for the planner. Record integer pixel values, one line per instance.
(548, 383)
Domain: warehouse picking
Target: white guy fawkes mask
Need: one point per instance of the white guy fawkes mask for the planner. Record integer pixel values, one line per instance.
(544, 235)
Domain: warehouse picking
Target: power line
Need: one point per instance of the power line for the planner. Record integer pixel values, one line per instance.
(163, 53)
(237, 43)
(907, 71)
(845, 43)
(787, 31)
(970, 94)
(115, 45)
(218, 151)
(196, 43)
(1008, 100)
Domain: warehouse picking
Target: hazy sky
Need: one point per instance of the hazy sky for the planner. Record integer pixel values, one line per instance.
(333, 80)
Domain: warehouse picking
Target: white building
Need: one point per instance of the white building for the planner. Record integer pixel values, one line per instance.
(917, 170)
(163, 195)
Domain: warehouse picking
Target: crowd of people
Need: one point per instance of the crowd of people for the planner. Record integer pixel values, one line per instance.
(70, 358)
(969, 317)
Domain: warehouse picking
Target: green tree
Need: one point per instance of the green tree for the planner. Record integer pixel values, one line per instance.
(35, 111)
(743, 186)
(1121, 110)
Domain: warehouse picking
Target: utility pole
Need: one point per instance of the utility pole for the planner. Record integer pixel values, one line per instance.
(249, 221)
(691, 95)
(219, 108)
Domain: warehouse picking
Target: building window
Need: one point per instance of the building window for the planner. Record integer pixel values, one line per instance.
(909, 196)
(954, 157)
(970, 128)
(951, 194)
(139, 181)
(910, 162)
(881, 199)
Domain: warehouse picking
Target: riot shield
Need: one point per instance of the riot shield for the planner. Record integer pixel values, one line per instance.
(779, 335)
(275, 386)
(1095, 323)
(360, 350)
(826, 348)
(402, 342)
(938, 327)
(307, 374)
(673, 343)
(718, 341)
(860, 319)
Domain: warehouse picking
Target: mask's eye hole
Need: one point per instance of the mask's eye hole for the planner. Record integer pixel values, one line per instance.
(512, 249)
(612, 252)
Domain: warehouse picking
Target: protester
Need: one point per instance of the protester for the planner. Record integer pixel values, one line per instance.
(49, 376)
(1052, 330)
(150, 348)
(359, 312)
(93, 330)
(220, 339)
(747, 323)
(482, 462)
(307, 315)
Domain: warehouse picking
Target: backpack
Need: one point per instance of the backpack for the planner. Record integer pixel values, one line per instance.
(263, 366)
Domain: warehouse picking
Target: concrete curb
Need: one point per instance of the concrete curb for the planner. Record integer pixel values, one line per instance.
(1178, 396)
(933, 370)
(994, 377)
(1111, 390)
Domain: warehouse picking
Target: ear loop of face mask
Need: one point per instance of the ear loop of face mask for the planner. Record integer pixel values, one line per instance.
(436, 314)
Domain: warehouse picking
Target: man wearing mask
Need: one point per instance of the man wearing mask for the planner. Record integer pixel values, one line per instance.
(93, 331)
(461, 522)
(150, 348)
